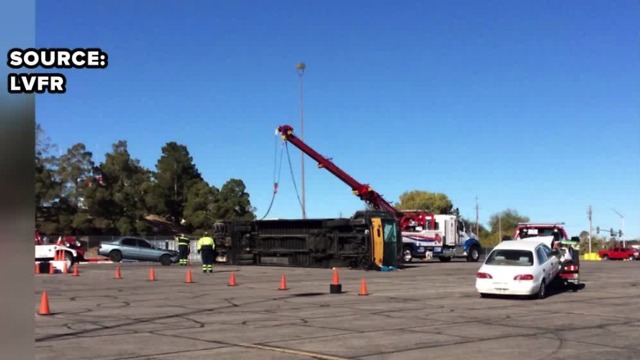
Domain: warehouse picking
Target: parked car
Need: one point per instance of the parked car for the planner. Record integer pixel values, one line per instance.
(619, 253)
(132, 248)
(524, 267)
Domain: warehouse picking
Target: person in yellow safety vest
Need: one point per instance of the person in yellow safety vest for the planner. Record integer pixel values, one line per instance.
(183, 248)
(206, 245)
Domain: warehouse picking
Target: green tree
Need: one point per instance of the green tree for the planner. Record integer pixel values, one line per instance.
(233, 202)
(74, 169)
(47, 185)
(117, 205)
(437, 203)
(506, 220)
(175, 174)
(199, 210)
(502, 224)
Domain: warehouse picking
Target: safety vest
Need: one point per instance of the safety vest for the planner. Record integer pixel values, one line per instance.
(183, 240)
(206, 241)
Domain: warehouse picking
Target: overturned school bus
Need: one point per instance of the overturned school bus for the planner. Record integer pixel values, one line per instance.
(368, 240)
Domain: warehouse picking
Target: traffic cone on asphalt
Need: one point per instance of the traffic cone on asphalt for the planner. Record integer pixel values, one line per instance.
(189, 278)
(52, 269)
(75, 270)
(152, 274)
(283, 283)
(232, 279)
(363, 288)
(118, 275)
(65, 270)
(44, 304)
(335, 287)
(37, 268)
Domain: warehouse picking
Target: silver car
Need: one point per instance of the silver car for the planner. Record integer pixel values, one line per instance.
(133, 248)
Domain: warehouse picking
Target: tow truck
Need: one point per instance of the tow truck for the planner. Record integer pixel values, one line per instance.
(446, 239)
(554, 235)
(47, 252)
(369, 239)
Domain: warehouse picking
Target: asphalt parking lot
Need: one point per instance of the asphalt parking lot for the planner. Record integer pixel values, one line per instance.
(428, 311)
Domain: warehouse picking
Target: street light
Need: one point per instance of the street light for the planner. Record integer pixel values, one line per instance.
(300, 67)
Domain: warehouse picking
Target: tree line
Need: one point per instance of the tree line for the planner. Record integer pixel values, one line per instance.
(75, 194)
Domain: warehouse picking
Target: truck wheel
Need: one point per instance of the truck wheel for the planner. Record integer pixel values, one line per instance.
(115, 256)
(406, 255)
(474, 254)
(444, 258)
(165, 260)
(68, 257)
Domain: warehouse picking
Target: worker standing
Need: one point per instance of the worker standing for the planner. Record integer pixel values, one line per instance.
(183, 248)
(206, 245)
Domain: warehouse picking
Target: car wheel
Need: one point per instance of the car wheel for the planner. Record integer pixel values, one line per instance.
(631, 257)
(605, 257)
(406, 255)
(165, 260)
(542, 291)
(474, 254)
(115, 256)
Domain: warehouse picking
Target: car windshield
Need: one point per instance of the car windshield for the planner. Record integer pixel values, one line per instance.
(510, 258)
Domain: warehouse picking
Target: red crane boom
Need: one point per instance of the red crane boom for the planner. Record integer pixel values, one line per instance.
(363, 191)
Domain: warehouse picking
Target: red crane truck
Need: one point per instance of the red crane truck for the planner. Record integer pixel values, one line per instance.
(369, 239)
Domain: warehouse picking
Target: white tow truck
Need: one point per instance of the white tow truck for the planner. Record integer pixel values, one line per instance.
(47, 252)
(446, 238)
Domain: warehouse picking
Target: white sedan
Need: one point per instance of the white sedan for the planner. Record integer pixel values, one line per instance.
(518, 267)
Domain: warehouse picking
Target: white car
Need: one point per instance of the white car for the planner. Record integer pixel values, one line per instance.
(518, 267)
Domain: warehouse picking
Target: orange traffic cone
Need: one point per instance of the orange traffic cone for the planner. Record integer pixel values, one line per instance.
(152, 274)
(65, 270)
(52, 269)
(363, 288)
(118, 275)
(283, 283)
(37, 268)
(336, 277)
(189, 278)
(335, 287)
(232, 280)
(75, 270)
(44, 304)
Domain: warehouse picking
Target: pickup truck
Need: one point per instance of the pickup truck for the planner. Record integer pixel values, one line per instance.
(47, 253)
(619, 253)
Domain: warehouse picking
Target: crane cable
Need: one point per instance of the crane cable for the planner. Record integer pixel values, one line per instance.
(293, 178)
(276, 176)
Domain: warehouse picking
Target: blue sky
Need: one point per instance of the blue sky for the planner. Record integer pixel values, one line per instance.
(526, 105)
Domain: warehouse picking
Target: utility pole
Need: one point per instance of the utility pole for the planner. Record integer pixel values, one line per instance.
(477, 228)
(590, 214)
(300, 67)
(499, 227)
